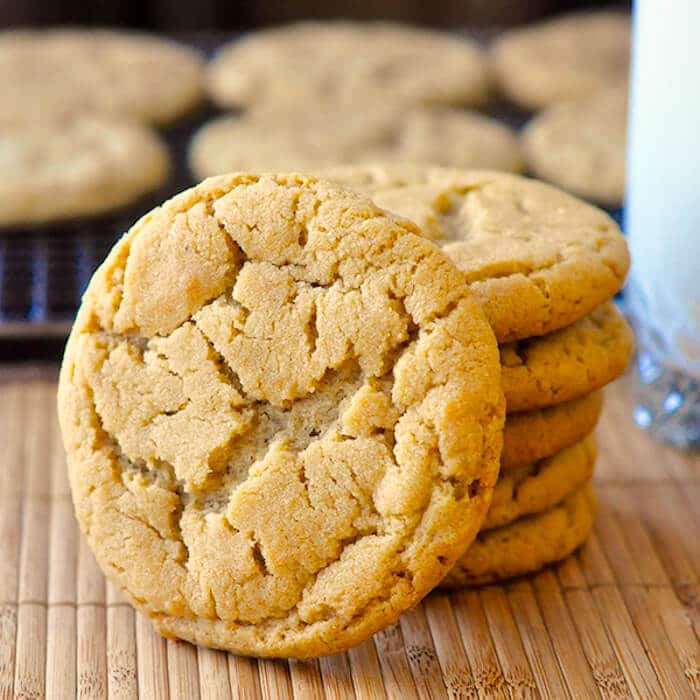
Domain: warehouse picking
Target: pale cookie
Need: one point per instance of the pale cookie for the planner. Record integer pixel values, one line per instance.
(532, 435)
(537, 258)
(580, 146)
(528, 544)
(300, 141)
(68, 72)
(566, 58)
(354, 64)
(566, 364)
(71, 168)
(538, 486)
(282, 414)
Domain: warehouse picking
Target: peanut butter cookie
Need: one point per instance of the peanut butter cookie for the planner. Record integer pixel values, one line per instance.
(528, 544)
(66, 168)
(566, 364)
(537, 258)
(531, 435)
(311, 142)
(569, 57)
(311, 64)
(282, 416)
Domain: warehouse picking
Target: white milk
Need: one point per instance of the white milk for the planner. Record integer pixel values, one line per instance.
(663, 178)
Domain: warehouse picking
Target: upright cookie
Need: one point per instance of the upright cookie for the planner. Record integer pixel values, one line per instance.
(348, 63)
(566, 58)
(536, 487)
(580, 146)
(310, 141)
(76, 167)
(532, 435)
(566, 364)
(536, 258)
(282, 415)
(70, 72)
(526, 545)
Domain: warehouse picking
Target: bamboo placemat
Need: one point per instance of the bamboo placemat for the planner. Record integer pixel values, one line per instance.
(620, 619)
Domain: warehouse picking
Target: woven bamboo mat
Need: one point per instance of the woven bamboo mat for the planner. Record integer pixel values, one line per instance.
(620, 619)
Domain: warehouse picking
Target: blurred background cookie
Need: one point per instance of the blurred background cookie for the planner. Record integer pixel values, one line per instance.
(348, 63)
(69, 72)
(71, 168)
(580, 146)
(306, 141)
(569, 57)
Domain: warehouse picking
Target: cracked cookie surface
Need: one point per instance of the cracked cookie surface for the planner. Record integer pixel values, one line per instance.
(570, 57)
(537, 258)
(317, 63)
(528, 544)
(310, 142)
(568, 363)
(536, 487)
(532, 435)
(68, 168)
(581, 146)
(71, 72)
(282, 416)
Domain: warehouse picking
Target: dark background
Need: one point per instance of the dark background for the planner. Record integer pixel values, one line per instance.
(195, 15)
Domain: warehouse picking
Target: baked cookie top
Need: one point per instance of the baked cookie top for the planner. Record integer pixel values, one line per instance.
(580, 146)
(532, 435)
(528, 544)
(68, 168)
(313, 63)
(570, 57)
(282, 415)
(535, 487)
(300, 141)
(566, 364)
(68, 72)
(537, 258)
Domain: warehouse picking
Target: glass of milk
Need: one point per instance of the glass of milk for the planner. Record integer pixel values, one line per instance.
(663, 216)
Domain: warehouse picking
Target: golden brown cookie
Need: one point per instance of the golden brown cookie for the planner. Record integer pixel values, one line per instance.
(528, 544)
(71, 72)
(531, 435)
(312, 141)
(538, 486)
(348, 63)
(537, 258)
(282, 415)
(566, 364)
(569, 57)
(580, 146)
(76, 167)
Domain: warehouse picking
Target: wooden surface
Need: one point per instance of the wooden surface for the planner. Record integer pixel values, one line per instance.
(620, 619)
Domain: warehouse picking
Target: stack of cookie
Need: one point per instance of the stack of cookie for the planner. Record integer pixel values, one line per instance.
(314, 94)
(283, 406)
(544, 265)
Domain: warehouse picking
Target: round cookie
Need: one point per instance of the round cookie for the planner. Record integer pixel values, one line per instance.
(526, 545)
(311, 142)
(316, 63)
(68, 72)
(76, 167)
(282, 416)
(580, 146)
(537, 258)
(532, 435)
(567, 58)
(536, 487)
(566, 364)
